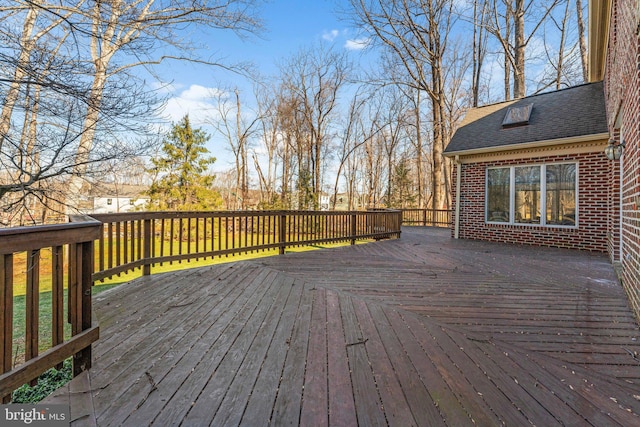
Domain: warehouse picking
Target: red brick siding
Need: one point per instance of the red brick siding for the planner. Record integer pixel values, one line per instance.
(622, 95)
(591, 233)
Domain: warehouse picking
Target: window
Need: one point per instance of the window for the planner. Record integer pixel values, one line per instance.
(109, 201)
(498, 183)
(527, 195)
(536, 194)
(517, 115)
(561, 194)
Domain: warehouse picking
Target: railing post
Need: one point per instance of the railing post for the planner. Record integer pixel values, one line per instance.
(146, 268)
(82, 359)
(354, 228)
(6, 317)
(282, 231)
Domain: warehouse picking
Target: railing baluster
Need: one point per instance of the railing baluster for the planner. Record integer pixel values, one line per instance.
(32, 306)
(198, 237)
(57, 297)
(125, 242)
(146, 269)
(6, 317)
(101, 247)
(110, 244)
(118, 245)
(171, 239)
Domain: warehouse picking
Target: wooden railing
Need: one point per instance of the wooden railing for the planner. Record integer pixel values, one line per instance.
(141, 240)
(22, 251)
(90, 249)
(426, 217)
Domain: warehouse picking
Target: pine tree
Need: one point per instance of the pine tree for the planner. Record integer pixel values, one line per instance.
(182, 179)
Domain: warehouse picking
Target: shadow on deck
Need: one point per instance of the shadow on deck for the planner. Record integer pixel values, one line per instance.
(424, 330)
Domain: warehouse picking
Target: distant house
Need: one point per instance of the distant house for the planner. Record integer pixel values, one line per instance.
(526, 170)
(110, 198)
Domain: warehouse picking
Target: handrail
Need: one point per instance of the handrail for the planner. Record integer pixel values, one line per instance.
(426, 217)
(112, 243)
(71, 245)
(142, 239)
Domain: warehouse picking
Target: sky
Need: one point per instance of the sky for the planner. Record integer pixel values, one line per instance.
(290, 25)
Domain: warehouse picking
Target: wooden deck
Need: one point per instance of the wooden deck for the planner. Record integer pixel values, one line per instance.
(422, 331)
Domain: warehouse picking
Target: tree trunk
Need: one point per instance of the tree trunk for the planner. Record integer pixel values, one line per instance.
(584, 56)
(26, 46)
(519, 89)
(419, 150)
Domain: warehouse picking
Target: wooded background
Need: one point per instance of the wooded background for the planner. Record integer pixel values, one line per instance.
(321, 133)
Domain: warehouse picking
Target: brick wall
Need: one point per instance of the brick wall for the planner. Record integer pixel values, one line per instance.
(591, 233)
(622, 96)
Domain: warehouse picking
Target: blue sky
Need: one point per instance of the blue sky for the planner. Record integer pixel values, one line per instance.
(290, 25)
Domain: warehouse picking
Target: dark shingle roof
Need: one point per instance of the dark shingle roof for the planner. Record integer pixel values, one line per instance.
(576, 111)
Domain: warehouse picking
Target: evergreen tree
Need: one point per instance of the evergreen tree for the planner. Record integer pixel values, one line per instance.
(402, 194)
(182, 181)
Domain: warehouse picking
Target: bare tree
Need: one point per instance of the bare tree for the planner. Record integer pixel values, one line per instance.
(480, 16)
(564, 65)
(416, 32)
(237, 129)
(267, 99)
(582, 40)
(139, 28)
(67, 89)
(314, 78)
(507, 25)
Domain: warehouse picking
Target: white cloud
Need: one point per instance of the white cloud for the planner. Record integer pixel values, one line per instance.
(196, 101)
(357, 44)
(330, 35)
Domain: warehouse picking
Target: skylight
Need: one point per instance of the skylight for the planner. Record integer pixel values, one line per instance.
(517, 115)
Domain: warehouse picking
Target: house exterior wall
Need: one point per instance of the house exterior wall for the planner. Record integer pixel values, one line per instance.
(591, 232)
(117, 204)
(622, 95)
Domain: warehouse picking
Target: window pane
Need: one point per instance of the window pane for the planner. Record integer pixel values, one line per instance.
(498, 195)
(561, 194)
(527, 195)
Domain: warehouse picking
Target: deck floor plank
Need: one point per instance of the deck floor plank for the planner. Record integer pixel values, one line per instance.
(237, 394)
(369, 409)
(392, 396)
(222, 362)
(421, 405)
(341, 404)
(422, 330)
(168, 366)
(315, 404)
(261, 401)
(286, 409)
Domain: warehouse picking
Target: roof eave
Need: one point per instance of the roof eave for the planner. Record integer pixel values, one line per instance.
(526, 145)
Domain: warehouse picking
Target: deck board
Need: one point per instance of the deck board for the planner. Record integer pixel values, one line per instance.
(423, 330)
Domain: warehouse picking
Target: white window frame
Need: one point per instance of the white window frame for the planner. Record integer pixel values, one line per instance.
(543, 195)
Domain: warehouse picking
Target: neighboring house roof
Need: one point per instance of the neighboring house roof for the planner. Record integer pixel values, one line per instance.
(120, 190)
(567, 113)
